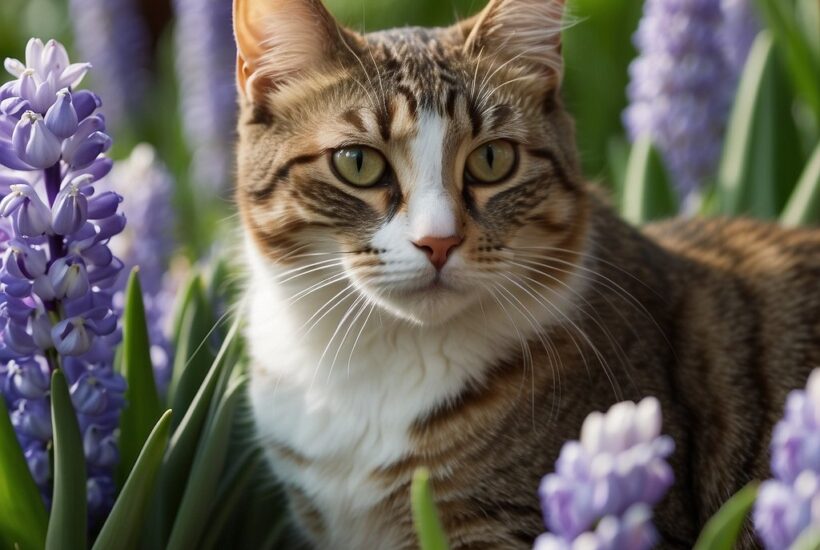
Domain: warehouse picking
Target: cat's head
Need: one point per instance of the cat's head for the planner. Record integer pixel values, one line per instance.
(426, 167)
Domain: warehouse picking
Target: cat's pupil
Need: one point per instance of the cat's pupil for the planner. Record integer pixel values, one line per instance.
(359, 160)
(490, 156)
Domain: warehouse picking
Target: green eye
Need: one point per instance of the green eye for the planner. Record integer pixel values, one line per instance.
(492, 162)
(360, 166)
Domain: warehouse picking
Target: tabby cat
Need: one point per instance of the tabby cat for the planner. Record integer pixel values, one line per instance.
(431, 282)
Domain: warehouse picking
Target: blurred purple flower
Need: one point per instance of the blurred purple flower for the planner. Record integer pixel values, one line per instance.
(206, 57)
(790, 502)
(608, 481)
(55, 309)
(147, 243)
(684, 80)
(114, 38)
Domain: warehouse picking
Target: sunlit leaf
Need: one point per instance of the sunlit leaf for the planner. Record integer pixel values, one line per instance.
(67, 524)
(647, 193)
(142, 407)
(23, 518)
(722, 530)
(804, 206)
(425, 515)
(124, 525)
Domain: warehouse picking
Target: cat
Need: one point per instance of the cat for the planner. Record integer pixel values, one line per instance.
(431, 282)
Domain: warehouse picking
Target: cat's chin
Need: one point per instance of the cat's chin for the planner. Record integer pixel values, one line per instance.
(426, 307)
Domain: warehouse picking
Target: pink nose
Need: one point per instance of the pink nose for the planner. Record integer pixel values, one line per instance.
(438, 248)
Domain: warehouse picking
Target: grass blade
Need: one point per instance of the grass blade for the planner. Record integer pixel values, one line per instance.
(200, 492)
(23, 518)
(647, 193)
(122, 529)
(804, 206)
(425, 516)
(142, 406)
(67, 525)
(182, 447)
(723, 528)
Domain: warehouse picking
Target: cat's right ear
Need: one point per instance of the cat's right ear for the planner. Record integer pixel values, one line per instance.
(277, 39)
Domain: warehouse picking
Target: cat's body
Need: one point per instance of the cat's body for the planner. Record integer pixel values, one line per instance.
(370, 362)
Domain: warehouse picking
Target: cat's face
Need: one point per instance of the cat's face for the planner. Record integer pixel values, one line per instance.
(421, 167)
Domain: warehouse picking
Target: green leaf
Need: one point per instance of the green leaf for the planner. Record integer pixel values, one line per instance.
(182, 448)
(804, 206)
(722, 530)
(199, 498)
(23, 518)
(231, 491)
(193, 356)
(802, 63)
(647, 193)
(425, 515)
(142, 406)
(761, 159)
(125, 522)
(67, 525)
(808, 540)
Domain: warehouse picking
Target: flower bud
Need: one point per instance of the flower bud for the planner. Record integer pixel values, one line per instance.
(100, 446)
(69, 278)
(38, 462)
(32, 417)
(34, 143)
(87, 151)
(16, 337)
(61, 117)
(14, 106)
(40, 328)
(44, 95)
(33, 216)
(85, 102)
(70, 210)
(103, 205)
(9, 158)
(89, 395)
(29, 378)
(71, 337)
(24, 262)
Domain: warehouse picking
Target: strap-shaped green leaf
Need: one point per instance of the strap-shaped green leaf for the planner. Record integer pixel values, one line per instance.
(142, 406)
(804, 206)
(124, 525)
(23, 518)
(647, 193)
(184, 441)
(425, 515)
(193, 356)
(803, 64)
(761, 161)
(199, 499)
(67, 525)
(722, 530)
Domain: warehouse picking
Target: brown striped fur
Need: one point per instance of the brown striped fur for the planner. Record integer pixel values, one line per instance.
(719, 319)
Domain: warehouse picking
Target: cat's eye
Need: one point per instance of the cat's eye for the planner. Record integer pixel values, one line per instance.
(492, 162)
(359, 165)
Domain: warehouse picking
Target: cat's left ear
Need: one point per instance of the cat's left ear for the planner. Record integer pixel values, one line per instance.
(520, 31)
(276, 40)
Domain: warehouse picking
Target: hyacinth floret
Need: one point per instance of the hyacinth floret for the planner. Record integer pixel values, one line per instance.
(57, 268)
(604, 486)
(790, 503)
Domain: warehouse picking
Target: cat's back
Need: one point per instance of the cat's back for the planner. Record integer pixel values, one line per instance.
(745, 303)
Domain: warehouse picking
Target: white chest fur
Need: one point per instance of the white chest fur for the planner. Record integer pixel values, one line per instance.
(347, 406)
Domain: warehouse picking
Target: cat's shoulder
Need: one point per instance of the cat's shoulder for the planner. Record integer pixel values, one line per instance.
(739, 244)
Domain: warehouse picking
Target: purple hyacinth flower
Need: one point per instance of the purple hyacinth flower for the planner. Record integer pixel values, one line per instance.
(605, 484)
(145, 244)
(790, 503)
(683, 82)
(114, 36)
(206, 55)
(55, 306)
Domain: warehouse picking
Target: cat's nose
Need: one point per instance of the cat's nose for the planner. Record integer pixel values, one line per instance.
(438, 249)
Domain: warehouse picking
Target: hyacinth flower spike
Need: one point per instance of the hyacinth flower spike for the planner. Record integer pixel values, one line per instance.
(605, 485)
(789, 503)
(57, 268)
